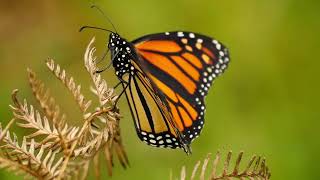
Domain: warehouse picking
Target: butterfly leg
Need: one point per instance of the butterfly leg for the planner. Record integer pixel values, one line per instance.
(109, 65)
(117, 85)
(123, 90)
(104, 56)
(101, 59)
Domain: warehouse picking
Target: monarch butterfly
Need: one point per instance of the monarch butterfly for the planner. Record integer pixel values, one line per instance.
(165, 78)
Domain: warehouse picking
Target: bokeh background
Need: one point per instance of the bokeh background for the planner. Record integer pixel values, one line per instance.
(266, 103)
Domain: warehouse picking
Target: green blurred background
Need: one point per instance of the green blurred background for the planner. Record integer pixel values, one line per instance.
(267, 102)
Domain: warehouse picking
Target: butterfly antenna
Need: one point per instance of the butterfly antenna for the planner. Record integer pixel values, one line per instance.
(93, 27)
(94, 6)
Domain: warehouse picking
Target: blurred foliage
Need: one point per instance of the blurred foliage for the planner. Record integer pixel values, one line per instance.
(267, 102)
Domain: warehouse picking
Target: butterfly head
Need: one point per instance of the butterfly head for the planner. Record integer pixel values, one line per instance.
(118, 44)
(113, 39)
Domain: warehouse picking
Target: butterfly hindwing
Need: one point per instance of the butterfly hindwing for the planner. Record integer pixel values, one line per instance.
(152, 120)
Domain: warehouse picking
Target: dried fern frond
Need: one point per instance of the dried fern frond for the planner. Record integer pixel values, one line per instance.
(106, 95)
(70, 84)
(44, 98)
(55, 149)
(258, 171)
(106, 111)
(32, 119)
(42, 164)
(90, 148)
(50, 108)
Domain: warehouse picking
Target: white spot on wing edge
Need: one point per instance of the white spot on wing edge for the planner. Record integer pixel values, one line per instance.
(218, 46)
(200, 40)
(191, 35)
(180, 34)
(151, 135)
(144, 133)
(215, 41)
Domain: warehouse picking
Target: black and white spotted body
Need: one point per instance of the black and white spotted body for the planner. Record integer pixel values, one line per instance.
(122, 53)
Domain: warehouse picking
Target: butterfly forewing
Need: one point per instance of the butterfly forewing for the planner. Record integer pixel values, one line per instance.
(182, 66)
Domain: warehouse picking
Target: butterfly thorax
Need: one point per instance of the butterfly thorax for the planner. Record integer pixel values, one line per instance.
(121, 55)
